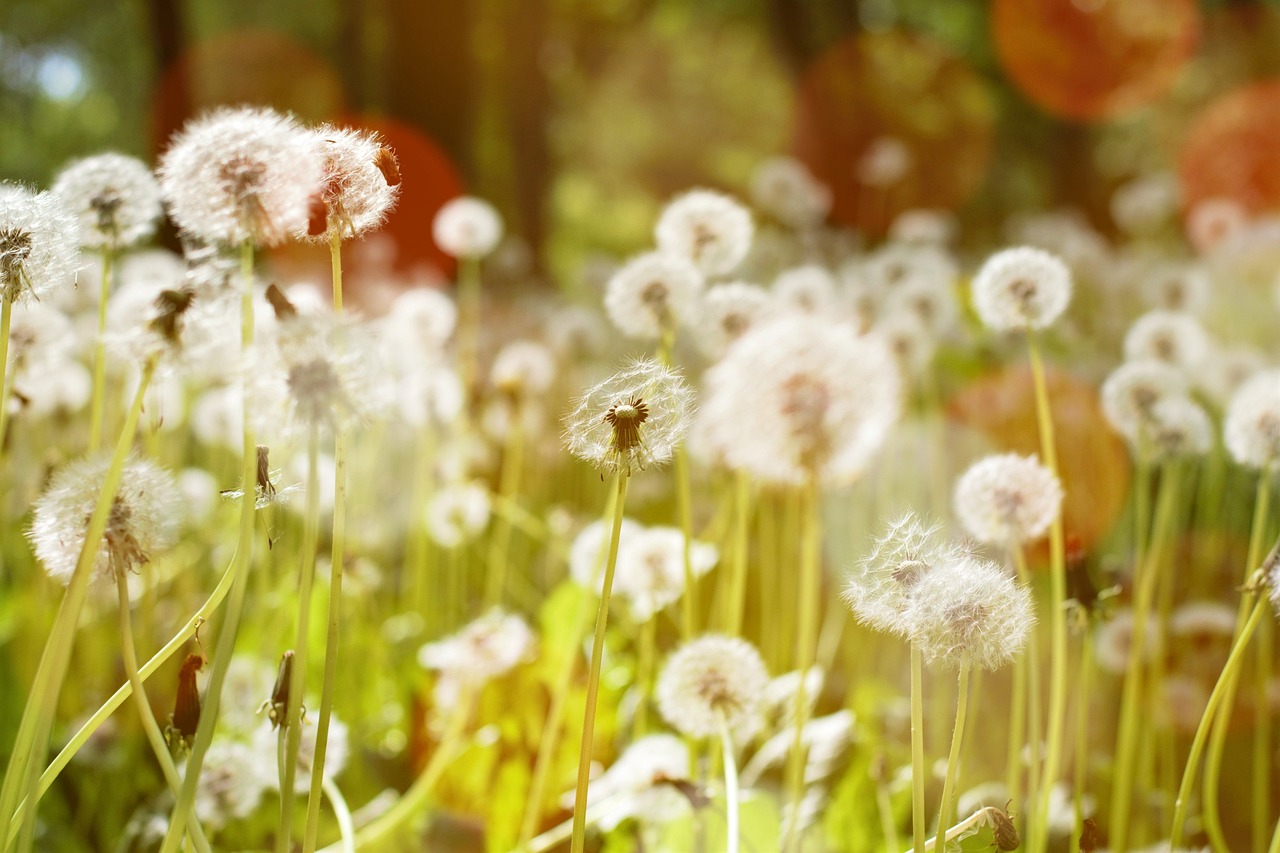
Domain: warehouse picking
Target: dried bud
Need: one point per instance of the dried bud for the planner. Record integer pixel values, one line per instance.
(278, 705)
(280, 303)
(186, 706)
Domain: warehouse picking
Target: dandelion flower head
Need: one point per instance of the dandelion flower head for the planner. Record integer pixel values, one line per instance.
(1131, 391)
(1021, 288)
(486, 648)
(728, 311)
(115, 198)
(968, 611)
(38, 240)
(467, 227)
(1169, 336)
(708, 228)
(783, 188)
(1008, 499)
(711, 676)
(359, 182)
(1251, 428)
(880, 587)
(652, 294)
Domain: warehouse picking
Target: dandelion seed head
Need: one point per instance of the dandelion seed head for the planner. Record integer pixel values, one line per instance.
(458, 513)
(896, 265)
(923, 227)
(241, 174)
(633, 786)
(1177, 287)
(1021, 288)
(650, 571)
(634, 419)
(467, 227)
(784, 189)
(1251, 427)
(143, 521)
(1178, 426)
(653, 293)
(115, 199)
(359, 183)
(909, 339)
(483, 650)
(712, 675)
(590, 550)
(709, 229)
(1007, 499)
(809, 289)
(38, 241)
(523, 369)
(1114, 639)
(886, 161)
(879, 588)
(1173, 337)
(728, 311)
(1131, 391)
(1203, 620)
(233, 779)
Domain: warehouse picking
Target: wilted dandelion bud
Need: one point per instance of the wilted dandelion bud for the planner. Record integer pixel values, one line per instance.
(1008, 499)
(1131, 391)
(38, 240)
(967, 611)
(467, 227)
(523, 369)
(633, 419)
(360, 180)
(458, 514)
(782, 187)
(650, 573)
(652, 294)
(115, 197)
(1179, 426)
(728, 311)
(1021, 288)
(710, 229)
(879, 588)
(241, 175)
(144, 519)
(809, 289)
(1169, 336)
(1251, 428)
(709, 676)
(483, 650)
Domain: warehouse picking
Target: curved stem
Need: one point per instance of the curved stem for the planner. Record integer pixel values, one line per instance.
(593, 677)
(807, 627)
(346, 829)
(730, 781)
(946, 810)
(917, 750)
(97, 401)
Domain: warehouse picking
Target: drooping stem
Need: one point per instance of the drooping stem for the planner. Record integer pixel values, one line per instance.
(593, 675)
(22, 774)
(154, 736)
(97, 402)
(917, 750)
(730, 782)
(946, 809)
(239, 574)
(807, 628)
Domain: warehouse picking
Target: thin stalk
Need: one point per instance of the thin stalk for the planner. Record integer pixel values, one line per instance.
(888, 822)
(1081, 770)
(1057, 614)
(593, 677)
(1264, 663)
(738, 569)
(917, 750)
(644, 674)
(689, 601)
(154, 736)
(1229, 672)
(239, 577)
(97, 402)
(1031, 668)
(346, 829)
(6, 320)
(292, 728)
(807, 628)
(546, 748)
(22, 774)
(469, 327)
(416, 544)
(508, 488)
(337, 555)
(730, 781)
(946, 809)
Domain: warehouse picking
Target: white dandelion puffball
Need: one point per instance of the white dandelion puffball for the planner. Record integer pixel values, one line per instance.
(710, 229)
(523, 368)
(924, 226)
(801, 396)
(233, 779)
(886, 161)
(810, 289)
(359, 184)
(337, 751)
(1114, 640)
(879, 588)
(1177, 287)
(650, 571)
(1021, 288)
(467, 227)
(968, 611)
(1179, 426)
(143, 521)
(484, 649)
(458, 513)
(728, 311)
(590, 551)
(1226, 369)
(912, 342)
(635, 786)
(38, 240)
(1131, 391)
(1169, 336)
(710, 676)
(241, 175)
(1007, 499)
(783, 188)
(1251, 428)
(653, 293)
(634, 419)
(115, 198)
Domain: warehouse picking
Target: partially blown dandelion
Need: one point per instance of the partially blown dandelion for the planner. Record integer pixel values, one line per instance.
(634, 419)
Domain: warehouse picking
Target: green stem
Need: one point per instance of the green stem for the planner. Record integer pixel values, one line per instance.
(1031, 665)
(154, 736)
(1228, 674)
(593, 677)
(738, 569)
(730, 781)
(508, 488)
(97, 402)
(298, 674)
(807, 627)
(1264, 662)
(239, 576)
(1057, 614)
(946, 809)
(1081, 770)
(6, 320)
(644, 674)
(37, 717)
(417, 585)
(689, 601)
(917, 750)
(346, 830)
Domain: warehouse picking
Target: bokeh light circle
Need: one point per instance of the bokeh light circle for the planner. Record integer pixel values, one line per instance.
(1094, 59)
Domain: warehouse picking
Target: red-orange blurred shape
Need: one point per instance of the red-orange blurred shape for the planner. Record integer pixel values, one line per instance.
(249, 66)
(1092, 460)
(1232, 151)
(1094, 59)
(893, 93)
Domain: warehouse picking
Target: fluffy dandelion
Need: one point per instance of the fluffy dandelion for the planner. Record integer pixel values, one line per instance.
(710, 676)
(650, 573)
(1131, 391)
(360, 179)
(810, 289)
(1179, 426)
(144, 519)
(1173, 337)
(485, 649)
(233, 778)
(1008, 499)
(1177, 287)
(590, 547)
(467, 227)
(886, 161)
(523, 369)
(1021, 288)
(783, 188)
(457, 514)
(115, 198)
(38, 240)
(652, 294)
(634, 419)
(923, 227)
(1251, 428)
(241, 175)
(880, 587)
(728, 311)
(637, 784)
(710, 229)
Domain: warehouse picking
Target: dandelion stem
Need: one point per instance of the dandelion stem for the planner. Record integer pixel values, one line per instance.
(508, 488)
(1057, 615)
(337, 555)
(6, 320)
(42, 703)
(346, 830)
(149, 725)
(98, 400)
(730, 781)
(738, 569)
(917, 749)
(1081, 771)
(644, 674)
(593, 677)
(807, 628)
(946, 809)
(292, 725)
(689, 601)
(239, 575)
(1030, 664)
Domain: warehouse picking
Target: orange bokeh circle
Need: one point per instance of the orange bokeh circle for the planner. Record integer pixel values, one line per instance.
(1094, 59)
(892, 121)
(1232, 152)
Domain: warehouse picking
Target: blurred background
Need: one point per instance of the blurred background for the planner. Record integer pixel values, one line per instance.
(579, 118)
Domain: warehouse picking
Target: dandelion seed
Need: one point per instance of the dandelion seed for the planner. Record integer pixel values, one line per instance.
(115, 198)
(38, 240)
(1021, 288)
(359, 184)
(880, 587)
(634, 419)
(708, 228)
(467, 227)
(652, 294)
(710, 676)
(1008, 499)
